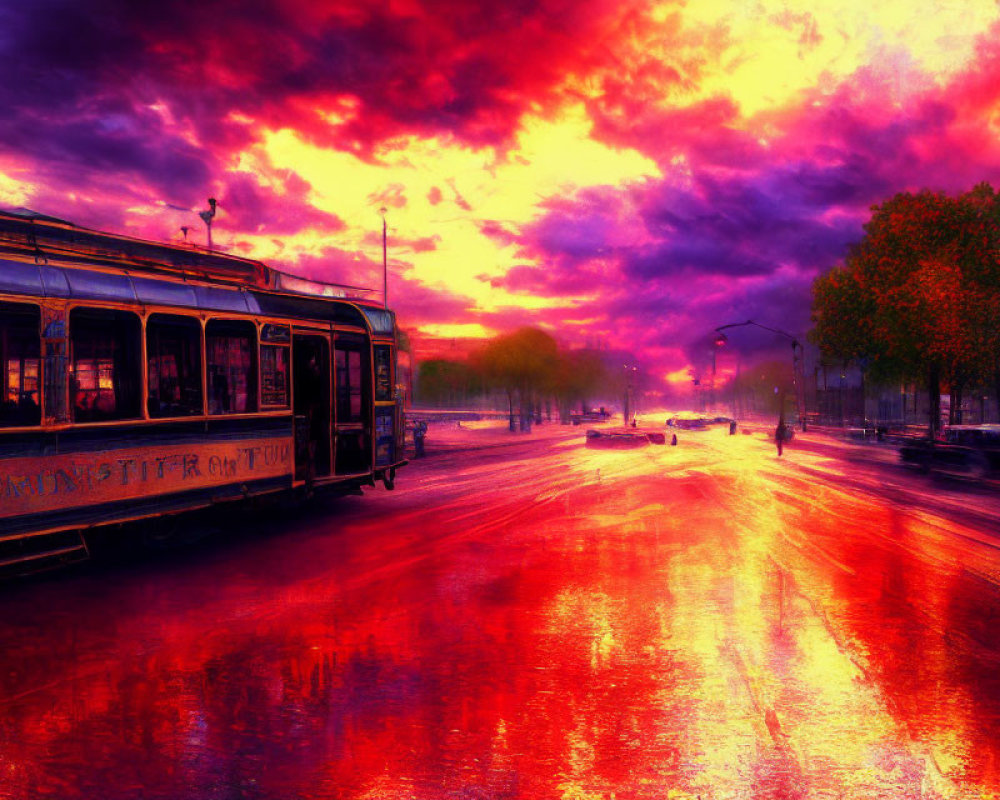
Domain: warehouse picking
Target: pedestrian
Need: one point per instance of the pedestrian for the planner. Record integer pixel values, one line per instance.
(732, 427)
(419, 432)
(779, 436)
(673, 440)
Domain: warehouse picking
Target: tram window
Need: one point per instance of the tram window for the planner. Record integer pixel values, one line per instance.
(383, 373)
(106, 370)
(173, 365)
(20, 354)
(348, 385)
(273, 375)
(232, 369)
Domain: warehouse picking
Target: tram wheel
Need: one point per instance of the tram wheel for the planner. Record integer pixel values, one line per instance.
(175, 530)
(160, 533)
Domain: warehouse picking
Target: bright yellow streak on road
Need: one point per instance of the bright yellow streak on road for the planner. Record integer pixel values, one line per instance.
(770, 686)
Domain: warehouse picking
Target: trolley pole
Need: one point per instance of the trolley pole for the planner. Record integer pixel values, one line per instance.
(385, 262)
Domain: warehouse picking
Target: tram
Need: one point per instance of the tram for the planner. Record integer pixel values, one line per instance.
(142, 379)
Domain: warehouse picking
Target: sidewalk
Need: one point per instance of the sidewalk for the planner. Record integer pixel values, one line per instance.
(454, 434)
(876, 469)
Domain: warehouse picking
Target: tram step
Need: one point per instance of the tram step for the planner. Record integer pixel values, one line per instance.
(37, 553)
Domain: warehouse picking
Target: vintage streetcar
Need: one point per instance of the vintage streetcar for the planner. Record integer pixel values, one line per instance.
(141, 380)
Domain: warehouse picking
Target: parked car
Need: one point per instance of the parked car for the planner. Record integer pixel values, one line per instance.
(963, 451)
(601, 415)
(688, 424)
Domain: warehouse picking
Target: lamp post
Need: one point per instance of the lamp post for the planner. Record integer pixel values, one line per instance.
(628, 410)
(798, 359)
(720, 341)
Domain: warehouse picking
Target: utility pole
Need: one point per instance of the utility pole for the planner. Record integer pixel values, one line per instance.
(629, 410)
(385, 261)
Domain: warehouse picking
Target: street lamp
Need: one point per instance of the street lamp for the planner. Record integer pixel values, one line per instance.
(798, 359)
(720, 340)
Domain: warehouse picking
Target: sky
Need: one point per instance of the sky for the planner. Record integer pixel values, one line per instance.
(626, 174)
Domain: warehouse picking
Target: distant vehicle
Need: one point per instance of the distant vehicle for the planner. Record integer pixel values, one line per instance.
(870, 429)
(601, 415)
(971, 452)
(696, 423)
(689, 424)
(622, 440)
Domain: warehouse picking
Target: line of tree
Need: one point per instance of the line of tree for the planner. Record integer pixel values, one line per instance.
(918, 298)
(528, 367)
(765, 387)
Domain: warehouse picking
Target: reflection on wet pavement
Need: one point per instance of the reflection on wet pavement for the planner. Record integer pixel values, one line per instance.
(531, 621)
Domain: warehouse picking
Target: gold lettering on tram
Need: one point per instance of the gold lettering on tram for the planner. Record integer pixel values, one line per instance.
(43, 484)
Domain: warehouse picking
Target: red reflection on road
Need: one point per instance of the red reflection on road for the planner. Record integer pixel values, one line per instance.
(535, 620)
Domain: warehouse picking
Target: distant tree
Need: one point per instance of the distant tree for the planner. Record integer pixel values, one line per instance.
(444, 382)
(579, 375)
(908, 302)
(767, 387)
(521, 364)
(981, 256)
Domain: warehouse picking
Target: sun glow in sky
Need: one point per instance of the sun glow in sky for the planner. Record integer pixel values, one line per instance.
(634, 173)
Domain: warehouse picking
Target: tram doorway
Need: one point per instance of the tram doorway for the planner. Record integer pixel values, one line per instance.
(353, 418)
(311, 386)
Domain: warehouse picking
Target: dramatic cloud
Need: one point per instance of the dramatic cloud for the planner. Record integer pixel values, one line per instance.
(634, 173)
(253, 207)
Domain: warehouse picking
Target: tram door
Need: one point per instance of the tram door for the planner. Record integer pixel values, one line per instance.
(311, 385)
(353, 380)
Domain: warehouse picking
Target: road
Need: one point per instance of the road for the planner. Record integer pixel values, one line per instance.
(527, 618)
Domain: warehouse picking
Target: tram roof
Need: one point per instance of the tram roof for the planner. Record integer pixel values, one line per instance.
(103, 267)
(49, 239)
(49, 281)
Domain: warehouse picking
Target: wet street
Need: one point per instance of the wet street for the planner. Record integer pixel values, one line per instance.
(527, 618)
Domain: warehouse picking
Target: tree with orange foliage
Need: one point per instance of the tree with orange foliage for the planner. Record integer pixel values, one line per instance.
(917, 295)
(981, 264)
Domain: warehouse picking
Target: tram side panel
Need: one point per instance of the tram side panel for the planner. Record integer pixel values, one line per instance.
(84, 478)
(112, 410)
